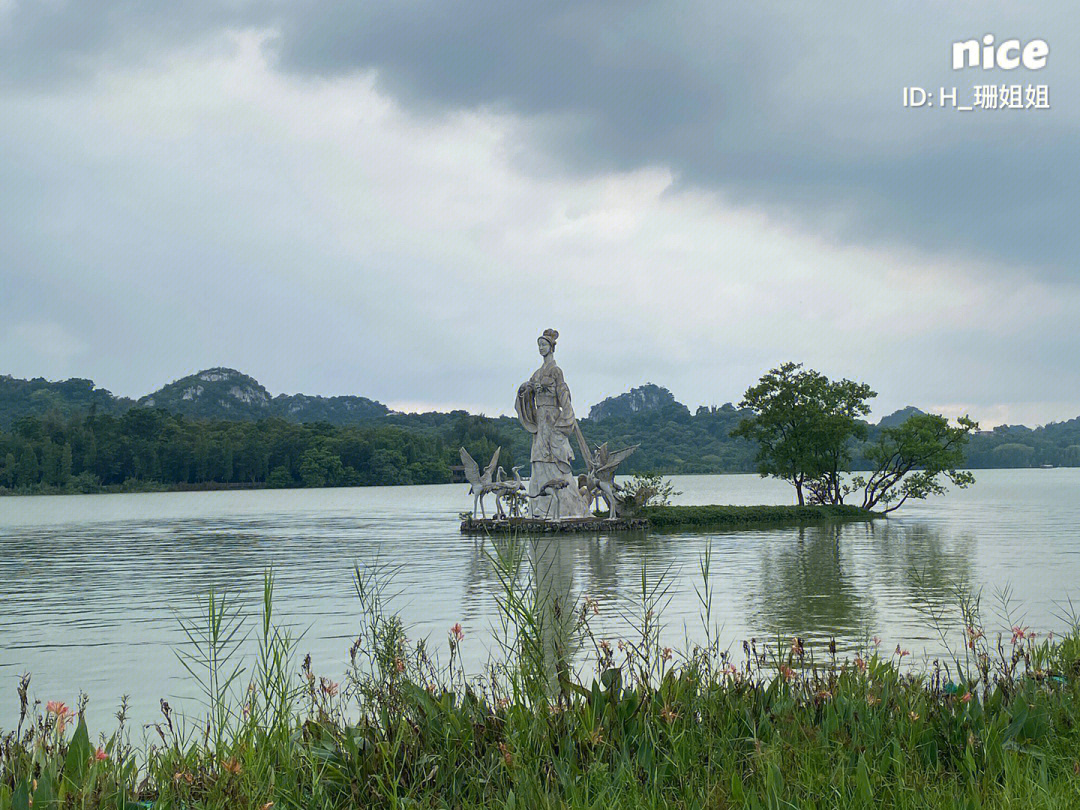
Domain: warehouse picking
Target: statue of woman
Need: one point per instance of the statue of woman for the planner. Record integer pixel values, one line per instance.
(543, 406)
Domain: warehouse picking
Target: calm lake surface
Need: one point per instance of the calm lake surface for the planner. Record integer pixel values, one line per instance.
(93, 585)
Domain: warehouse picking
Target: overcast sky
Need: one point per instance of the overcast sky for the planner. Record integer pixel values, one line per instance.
(393, 199)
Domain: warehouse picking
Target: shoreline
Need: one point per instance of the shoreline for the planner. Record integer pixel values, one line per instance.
(133, 487)
(673, 518)
(640, 725)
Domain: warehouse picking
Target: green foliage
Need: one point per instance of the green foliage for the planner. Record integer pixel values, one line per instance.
(279, 478)
(804, 425)
(147, 449)
(72, 437)
(645, 490)
(782, 724)
(320, 468)
(912, 460)
(37, 397)
(807, 429)
(741, 516)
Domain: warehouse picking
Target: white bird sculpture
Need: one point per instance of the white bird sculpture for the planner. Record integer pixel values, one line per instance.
(509, 490)
(480, 485)
(551, 488)
(601, 475)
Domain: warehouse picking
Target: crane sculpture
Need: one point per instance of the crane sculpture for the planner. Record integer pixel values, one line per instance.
(550, 489)
(510, 490)
(600, 475)
(481, 485)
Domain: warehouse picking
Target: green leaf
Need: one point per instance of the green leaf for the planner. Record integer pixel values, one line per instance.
(737, 792)
(45, 793)
(20, 799)
(1018, 721)
(862, 781)
(774, 782)
(78, 756)
(611, 678)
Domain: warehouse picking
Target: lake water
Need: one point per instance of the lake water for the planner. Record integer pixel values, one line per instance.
(92, 585)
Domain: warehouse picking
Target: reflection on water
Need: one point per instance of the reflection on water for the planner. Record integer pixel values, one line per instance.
(92, 584)
(810, 588)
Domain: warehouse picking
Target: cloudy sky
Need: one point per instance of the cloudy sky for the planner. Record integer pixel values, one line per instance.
(395, 198)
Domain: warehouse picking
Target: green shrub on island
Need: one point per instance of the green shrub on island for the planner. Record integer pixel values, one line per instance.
(720, 516)
(645, 490)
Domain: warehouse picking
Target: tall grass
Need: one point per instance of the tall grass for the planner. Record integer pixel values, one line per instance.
(771, 725)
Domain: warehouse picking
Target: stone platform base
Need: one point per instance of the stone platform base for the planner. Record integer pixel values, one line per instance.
(541, 526)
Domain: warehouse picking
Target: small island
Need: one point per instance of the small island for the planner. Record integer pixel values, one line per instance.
(554, 501)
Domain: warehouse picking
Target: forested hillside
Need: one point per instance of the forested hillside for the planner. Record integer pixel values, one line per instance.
(38, 397)
(71, 436)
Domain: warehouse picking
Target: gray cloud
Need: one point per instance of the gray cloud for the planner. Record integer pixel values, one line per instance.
(360, 200)
(771, 103)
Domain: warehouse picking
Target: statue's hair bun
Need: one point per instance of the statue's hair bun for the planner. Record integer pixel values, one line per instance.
(550, 335)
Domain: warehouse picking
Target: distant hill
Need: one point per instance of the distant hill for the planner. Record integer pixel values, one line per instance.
(648, 397)
(214, 393)
(37, 397)
(899, 417)
(225, 393)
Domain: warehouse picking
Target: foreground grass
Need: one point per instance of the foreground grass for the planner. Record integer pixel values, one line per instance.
(737, 517)
(770, 727)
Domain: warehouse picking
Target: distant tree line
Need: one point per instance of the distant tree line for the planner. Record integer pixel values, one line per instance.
(145, 447)
(72, 437)
(152, 448)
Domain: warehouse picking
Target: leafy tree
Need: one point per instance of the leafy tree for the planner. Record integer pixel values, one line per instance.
(66, 464)
(1013, 454)
(804, 426)
(836, 429)
(7, 472)
(27, 470)
(279, 477)
(912, 461)
(321, 468)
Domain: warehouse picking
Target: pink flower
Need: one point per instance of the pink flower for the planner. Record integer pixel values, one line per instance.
(787, 672)
(329, 688)
(100, 754)
(57, 707)
(61, 711)
(860, 664)
(666, 654)
(876, 640)
(902, 653)
(457, 632)
(966, 697)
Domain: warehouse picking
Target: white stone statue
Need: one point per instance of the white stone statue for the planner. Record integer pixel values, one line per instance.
(543, 406)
